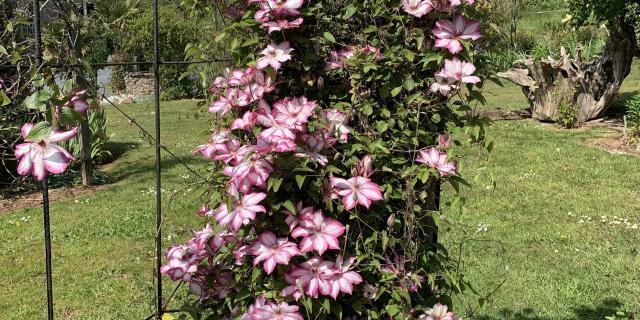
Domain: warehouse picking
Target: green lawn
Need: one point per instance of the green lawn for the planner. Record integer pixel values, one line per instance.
(103, 243)
(554, 266)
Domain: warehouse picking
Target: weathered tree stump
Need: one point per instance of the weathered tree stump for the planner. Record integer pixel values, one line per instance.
(587, 88)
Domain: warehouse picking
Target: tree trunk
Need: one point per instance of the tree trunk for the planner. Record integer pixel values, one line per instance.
(587, 89)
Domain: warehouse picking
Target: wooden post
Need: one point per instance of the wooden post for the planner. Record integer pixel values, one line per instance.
(85, 153)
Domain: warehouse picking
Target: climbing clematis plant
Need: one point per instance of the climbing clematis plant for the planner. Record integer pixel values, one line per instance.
(331, 139)
(40, 155)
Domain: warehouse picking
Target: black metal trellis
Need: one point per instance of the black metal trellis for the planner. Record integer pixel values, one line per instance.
(156, 95)
(156, 63)
(45, 182)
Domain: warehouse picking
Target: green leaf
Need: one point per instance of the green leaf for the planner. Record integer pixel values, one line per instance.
(220, 37)
(35, 102)
(300, 181)
(410, 55)
(367, 109)
(409, 84)
(68, 116)
(392, 309)
(3, 50)
(289, 206)
(351, 10)
(9, 26)
(40, 131)
(250, 42)
(370, 29)
(4, 99)
(329, 37)
(396, 91)
(274, 183)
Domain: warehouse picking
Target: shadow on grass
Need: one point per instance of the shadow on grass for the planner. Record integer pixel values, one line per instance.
(607, 307)
(619, 107)
(146, 164)
(119, 149)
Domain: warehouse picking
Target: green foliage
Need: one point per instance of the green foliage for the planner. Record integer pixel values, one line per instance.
(98, 137)
(597, 11)
(177, 30)
(544, 5)
(633, 121)
(566, 115)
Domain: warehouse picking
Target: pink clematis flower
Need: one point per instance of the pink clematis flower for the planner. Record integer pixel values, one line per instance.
(281, 24)
(459, 71)
(449, 33)
(277, 8)
(301, 213)
(444, 140)
(39, 158)
(443, 84)
(235, 77)
(239, 254)
(221, 239)
(438, 312)
(417, 8)
(437, 160)
(312, 276)
(251, 172)
(364, 168)
(246, 123)
(243, 211)
(312, 147)
(181, 264)
(233, 153)
(273, 251)
(232, 98)
(319, 233)
(217, 143)
(259, 303)
(338, 59)
(343, 277)
(335, 122)
(279, 128)
(357, 190)
(200, 239)
(297, 111)
(277, 311)
(274, 55)
(78, 103)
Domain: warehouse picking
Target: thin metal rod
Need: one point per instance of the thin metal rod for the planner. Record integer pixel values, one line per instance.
(148, 135)
(45, 182)
(116, 64)
(156, 92)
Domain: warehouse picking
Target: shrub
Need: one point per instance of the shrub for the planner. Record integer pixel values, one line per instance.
(329, 151)
(632, 135)
(567, 115)
(98, 137)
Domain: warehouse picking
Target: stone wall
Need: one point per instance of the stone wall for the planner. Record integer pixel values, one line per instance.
(139, 83)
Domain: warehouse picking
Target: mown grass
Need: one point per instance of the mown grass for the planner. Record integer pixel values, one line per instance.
(542, 262)
(553, 266)
(103, 243)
